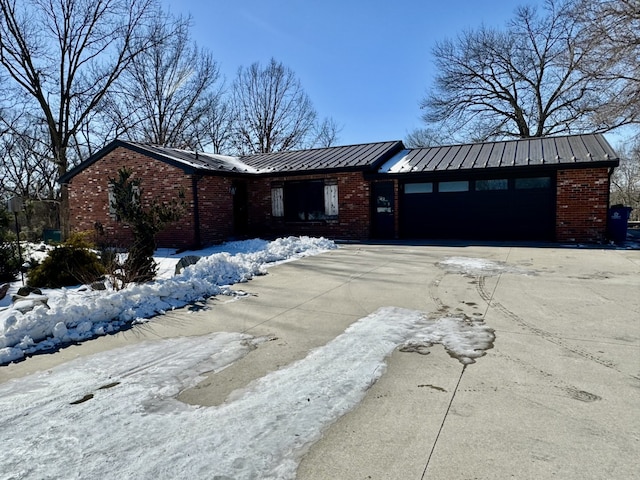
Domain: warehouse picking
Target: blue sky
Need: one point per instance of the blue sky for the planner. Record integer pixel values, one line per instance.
(367, 64)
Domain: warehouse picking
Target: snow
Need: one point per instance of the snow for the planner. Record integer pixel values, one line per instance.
(79, 314)
(114, 414)
(396, 164)
(480, 266)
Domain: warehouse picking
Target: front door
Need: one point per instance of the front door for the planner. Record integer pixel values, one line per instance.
(240, 207)
(383, 200)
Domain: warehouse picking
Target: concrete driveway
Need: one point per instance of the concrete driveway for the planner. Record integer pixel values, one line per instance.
(557, 397)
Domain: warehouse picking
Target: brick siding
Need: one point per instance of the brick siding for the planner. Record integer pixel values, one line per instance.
(89, 200)
(354, 215)
(215, 208)
(581, 205)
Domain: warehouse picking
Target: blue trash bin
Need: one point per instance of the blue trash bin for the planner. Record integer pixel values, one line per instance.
(618, 223)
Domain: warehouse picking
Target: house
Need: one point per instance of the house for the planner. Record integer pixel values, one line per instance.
(552, 188)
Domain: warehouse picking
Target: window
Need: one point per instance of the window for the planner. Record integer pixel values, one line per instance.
(305, 201)
(411, 188)
(460, 186)
(533, 183)
(492, 184)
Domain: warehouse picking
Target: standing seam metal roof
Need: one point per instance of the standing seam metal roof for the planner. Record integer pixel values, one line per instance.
(351, 156)
(366, 155)
(386, 157)
(545, 151)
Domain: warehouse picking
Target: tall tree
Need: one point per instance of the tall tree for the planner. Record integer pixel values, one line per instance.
(62, 56)
(612, 32)
(625, 182)
(167, 89)
(326, 133)
(524, 81)
(215, 131)
(425, 137)
(271, 110)
(27, 172)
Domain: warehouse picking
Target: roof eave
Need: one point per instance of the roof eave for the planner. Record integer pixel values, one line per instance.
(188, 169)
(510, 170)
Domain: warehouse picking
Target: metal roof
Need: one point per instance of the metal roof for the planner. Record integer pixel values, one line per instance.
(384, 157)
(197, 160)
(367, 155)
(529, 152)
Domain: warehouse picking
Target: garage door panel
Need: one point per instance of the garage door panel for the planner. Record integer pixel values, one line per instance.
(494, 214)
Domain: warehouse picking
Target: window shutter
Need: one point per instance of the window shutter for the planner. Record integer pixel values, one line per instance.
(277, 201)
(331, 199)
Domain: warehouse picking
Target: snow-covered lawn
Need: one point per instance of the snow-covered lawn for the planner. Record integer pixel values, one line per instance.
(78, 314)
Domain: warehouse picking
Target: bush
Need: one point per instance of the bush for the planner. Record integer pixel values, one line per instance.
(146, 220)
(9, 259)
(69, 264)
(9, 262)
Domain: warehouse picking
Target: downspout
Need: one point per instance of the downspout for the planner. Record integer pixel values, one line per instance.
(196, 211)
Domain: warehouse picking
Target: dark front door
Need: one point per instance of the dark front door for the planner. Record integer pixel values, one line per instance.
(383, 210)
(240, 207)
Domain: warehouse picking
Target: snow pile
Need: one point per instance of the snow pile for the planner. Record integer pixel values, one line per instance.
(74, 316)
(114, 415)
(480, 266)
(462, 338)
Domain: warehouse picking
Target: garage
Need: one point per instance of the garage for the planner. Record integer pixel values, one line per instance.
(515, 208)
(551, 188)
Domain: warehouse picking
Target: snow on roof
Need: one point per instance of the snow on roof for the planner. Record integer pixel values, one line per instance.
(397, 163)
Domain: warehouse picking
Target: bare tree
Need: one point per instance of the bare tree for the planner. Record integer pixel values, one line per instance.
(625, 182)
(612, 32)
(26, 171)
(25, 166)
(163, 95)
(425, 137)
(271, 110)
(326, 133)
(62, 56)
(524, 81)
(216, 125)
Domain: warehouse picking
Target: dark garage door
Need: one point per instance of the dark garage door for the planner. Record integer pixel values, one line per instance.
(484, 209)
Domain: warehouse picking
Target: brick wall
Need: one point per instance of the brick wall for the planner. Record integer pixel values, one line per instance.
(215, 208)
(353, 218)
(89, 205)
(582, 205)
